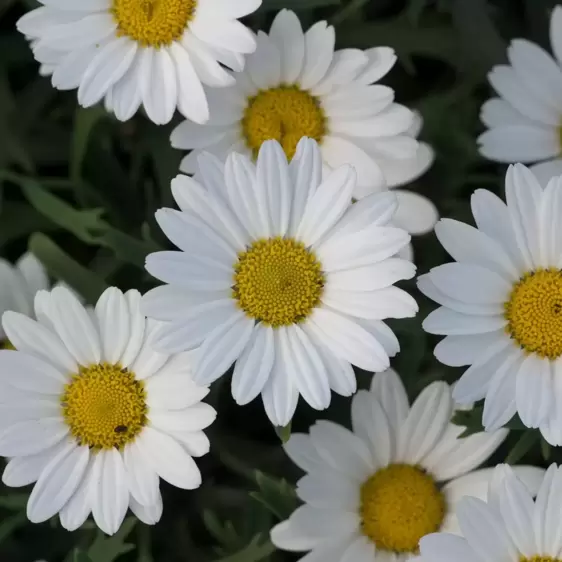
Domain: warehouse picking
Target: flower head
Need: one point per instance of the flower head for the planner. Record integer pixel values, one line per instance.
(296, 85)
(370, 494)
(92, 415)
(279, 272)
(510, 525)
(501, 303)
(525, 121)
(157, 53)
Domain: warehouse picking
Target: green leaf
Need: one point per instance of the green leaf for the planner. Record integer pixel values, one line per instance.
(257, 550)
(19, 219)
(546, 449)
(14, 502)
(125, 247)
(78, 555)
(108, 549)
(523, 446)
(61, 266)
(277, 495)
(10, 524)
(224, 533)
(80, 222)
(84, 122)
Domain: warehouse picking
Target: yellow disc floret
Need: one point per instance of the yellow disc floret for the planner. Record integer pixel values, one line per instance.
(104, 406)
(285, 114)
(539, 558)
(278, 281)
(399, 505)
(534, 313)
(153, 23)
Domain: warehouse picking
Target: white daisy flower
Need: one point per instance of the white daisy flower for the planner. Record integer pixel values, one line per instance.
(93, 415)
(157, 53)
(371, 494)
(525, 122)
(296, 85)
(18, 285)
(278, 272)
(510, 526)
(502, 303)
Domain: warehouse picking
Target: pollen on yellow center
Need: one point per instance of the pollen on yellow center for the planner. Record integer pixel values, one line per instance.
(285, 114)
(153, 23)
(539, 558)
(278, 281)
(534, 313)
(399, 505)
(104, 406)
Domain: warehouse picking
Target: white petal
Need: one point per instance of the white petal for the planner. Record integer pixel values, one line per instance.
(327, 205)
(225, 34)
(319, 50)
(136, 328)
(112, 313)
(126, 93)
(253, 367)
(222, 347)
(57, 482)
(79, 506)
(107, 67)
(381, 60)
(534, 390)
(286, 33)
(415, 213)
(555, 26)
(160, 86)
(391, 395)
(195, 418)
(348, 340)
(191, 98)
(516, 505)
(484, 531)
(338, 151)
(31, 337)
(110, 491)
(141, 478)
(149, 515)
(33, 272)
(75, 327)
(426, 422)
(371, 424)
(442, 547)
(264, 65)
(447, 322)
(169, 459)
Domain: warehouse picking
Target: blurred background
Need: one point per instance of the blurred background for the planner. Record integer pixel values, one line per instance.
(79, 189)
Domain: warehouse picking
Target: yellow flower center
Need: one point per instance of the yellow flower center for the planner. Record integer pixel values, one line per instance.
(534, 312)
(399, 505)
(285, 114)
(104, 406)
(6, 344)
(539, 558)
(153, 23)
(278, 281)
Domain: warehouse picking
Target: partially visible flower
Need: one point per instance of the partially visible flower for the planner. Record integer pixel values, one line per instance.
(525, 122)
(279, 272)
(157, 53)
(371, 494)
(501, 304)
(509, 526)
(93, 415)
(296, 85)
(18, 285)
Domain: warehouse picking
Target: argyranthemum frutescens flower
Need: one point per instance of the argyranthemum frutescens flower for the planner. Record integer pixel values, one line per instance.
(20, 283)
(525, 122)
(371, 494)
(510, 526)
(279, 272)
(151, 52)
(502, 303)
(296, 85)
(93, 415)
